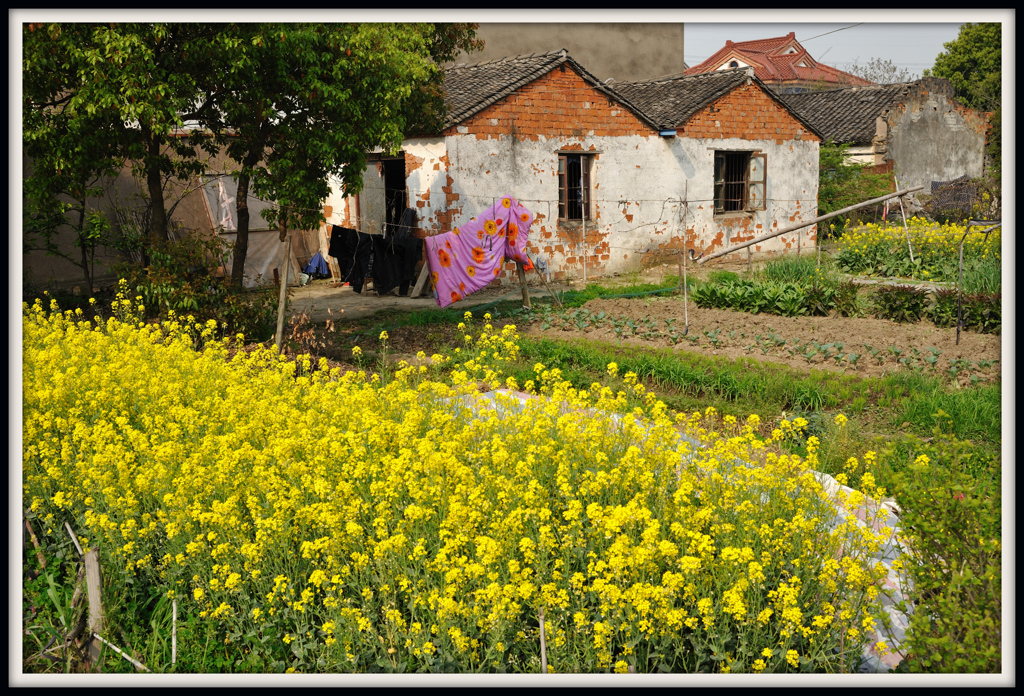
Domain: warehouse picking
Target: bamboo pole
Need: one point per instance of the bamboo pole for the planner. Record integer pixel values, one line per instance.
(793, 228)
(904, 214)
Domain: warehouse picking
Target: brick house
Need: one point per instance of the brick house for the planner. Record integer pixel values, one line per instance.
(917, 128)
(614, 174)
(780, 62)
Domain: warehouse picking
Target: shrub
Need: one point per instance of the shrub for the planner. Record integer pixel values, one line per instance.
(901, 303)
(180, 279)
(819, 300)
(983, 312)
(943, 311)
(846, 303)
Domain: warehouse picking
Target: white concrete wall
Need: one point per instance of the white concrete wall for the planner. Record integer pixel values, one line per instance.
(645, 190)
(647, 193)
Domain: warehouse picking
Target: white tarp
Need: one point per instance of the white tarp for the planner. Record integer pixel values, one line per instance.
(219, 192)
(265, 253)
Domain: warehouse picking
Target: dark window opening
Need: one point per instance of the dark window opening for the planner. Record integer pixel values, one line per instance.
(574, 187)
(739, 181)
(394, 191)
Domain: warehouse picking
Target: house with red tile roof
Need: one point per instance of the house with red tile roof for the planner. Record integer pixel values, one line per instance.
(617, 175)
(781, 63)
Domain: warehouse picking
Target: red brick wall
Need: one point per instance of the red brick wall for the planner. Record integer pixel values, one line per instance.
(554, 105)
(747, 113)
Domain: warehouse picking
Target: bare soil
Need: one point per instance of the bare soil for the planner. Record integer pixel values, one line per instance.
(746, 335)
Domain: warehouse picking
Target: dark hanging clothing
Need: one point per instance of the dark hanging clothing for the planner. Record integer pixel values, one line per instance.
(411, 253)
(387, 273)
(362, 261)
(405, 227)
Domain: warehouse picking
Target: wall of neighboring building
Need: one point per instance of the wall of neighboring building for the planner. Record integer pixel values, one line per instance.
(648, 192)
(621, 51)
(189, 216)
(934, 138)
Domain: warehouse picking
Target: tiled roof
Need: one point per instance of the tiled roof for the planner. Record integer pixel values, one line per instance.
(671, 101)
(470, 89)
(847, 115)
(771, 65)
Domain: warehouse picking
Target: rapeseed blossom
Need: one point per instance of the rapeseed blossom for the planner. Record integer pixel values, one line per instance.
(883, 249)
(392, 522)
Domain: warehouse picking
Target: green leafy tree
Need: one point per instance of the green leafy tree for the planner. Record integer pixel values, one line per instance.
(143, 82)
(843, 183)
(298, 103)
(973, 63)
(71, 155)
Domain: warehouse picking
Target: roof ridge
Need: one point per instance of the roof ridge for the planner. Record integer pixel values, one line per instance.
(506, 59)
(680, 76)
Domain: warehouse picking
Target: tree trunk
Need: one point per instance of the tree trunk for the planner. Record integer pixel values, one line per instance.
(158, 219)
(85, 253)
(242, 206)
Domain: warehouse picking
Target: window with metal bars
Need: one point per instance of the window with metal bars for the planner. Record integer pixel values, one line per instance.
(739, 181)
(574, 187)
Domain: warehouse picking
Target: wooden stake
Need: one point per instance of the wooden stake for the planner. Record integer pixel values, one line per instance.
(35, 542)
(136, 663)
(543, 647)
(546, 286)
(174, 631)
(94, 584)
(74, 539)
(283, 299)
(522, 282)
(421, 281)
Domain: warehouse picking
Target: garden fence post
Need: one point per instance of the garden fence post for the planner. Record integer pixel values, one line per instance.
(907, 229)
(283, 299)
(93, 582)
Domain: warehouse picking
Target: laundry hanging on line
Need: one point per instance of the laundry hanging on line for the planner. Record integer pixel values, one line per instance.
(389, 259)
(470, 257)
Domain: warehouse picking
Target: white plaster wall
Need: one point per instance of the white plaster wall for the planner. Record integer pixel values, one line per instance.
(646, 192)
(663, 184)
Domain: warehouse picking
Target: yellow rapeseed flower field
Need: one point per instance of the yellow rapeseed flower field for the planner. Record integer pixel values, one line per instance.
(883, 249)
(326, 521)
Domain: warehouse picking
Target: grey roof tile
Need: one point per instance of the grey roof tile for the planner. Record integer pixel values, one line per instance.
(847, 115)
(671, 101)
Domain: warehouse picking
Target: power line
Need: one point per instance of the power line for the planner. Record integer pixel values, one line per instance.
(832, 32)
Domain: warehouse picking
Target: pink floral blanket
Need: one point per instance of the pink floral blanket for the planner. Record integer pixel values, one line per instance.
(470, 257)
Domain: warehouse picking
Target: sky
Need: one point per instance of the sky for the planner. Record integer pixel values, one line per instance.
(912, 46)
